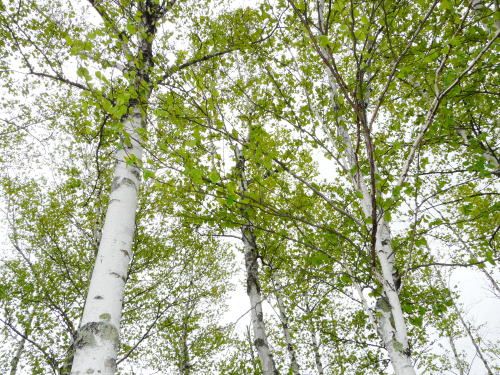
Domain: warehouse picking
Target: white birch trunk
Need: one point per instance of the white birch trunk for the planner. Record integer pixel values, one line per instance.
(294, 365)
(255, 296)
(473, 340)
(253, 285)
(14, 363)
(97, 339)
(314, 342)
(391, 325)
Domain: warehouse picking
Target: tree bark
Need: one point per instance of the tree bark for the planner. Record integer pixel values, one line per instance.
(459, 362)
(314, 342)
(14, 363)
(98, 336)
(252, 273)
(294, 365)
(97, 339)
(391, 324)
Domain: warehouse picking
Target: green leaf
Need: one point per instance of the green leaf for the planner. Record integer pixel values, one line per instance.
(131, 28)
(148, 174)
(214, 176)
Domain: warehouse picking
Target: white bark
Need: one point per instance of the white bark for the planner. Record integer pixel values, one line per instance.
(97, 339)
(391, 325)
(255, 296)
(314, 342)
(294, 365)
(253, 286)
(14, 363)
(459, 362)
(473, 340)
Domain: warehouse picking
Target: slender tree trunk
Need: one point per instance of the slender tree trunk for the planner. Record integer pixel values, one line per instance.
(14, 363)
(314, 342)
(294, 365)
(185, 365)
(459, 362)
(479, 351)
(391, 325)
(253, 284)
(17, 357)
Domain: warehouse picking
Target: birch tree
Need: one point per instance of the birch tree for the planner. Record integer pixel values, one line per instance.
(360, 78)
(373, 164)
(129, 31)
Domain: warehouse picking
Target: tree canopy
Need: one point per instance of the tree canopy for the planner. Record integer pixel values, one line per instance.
(334, 164)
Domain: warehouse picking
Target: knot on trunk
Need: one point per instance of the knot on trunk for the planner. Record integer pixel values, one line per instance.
(89, 333)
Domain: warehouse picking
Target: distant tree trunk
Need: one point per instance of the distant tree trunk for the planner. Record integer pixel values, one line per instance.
(252, 274)
(185, 364)
(314, 342)
(460, 363)
(478, 349)
(14, 363)
(294, 366)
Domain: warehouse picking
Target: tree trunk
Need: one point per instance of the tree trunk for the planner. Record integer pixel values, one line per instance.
(97, 339)
(314, 342)
(294, 366)
(479, 351)
(185, 364)
(14, 363)
(459, 363)
(391, 324)
(252, 273)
